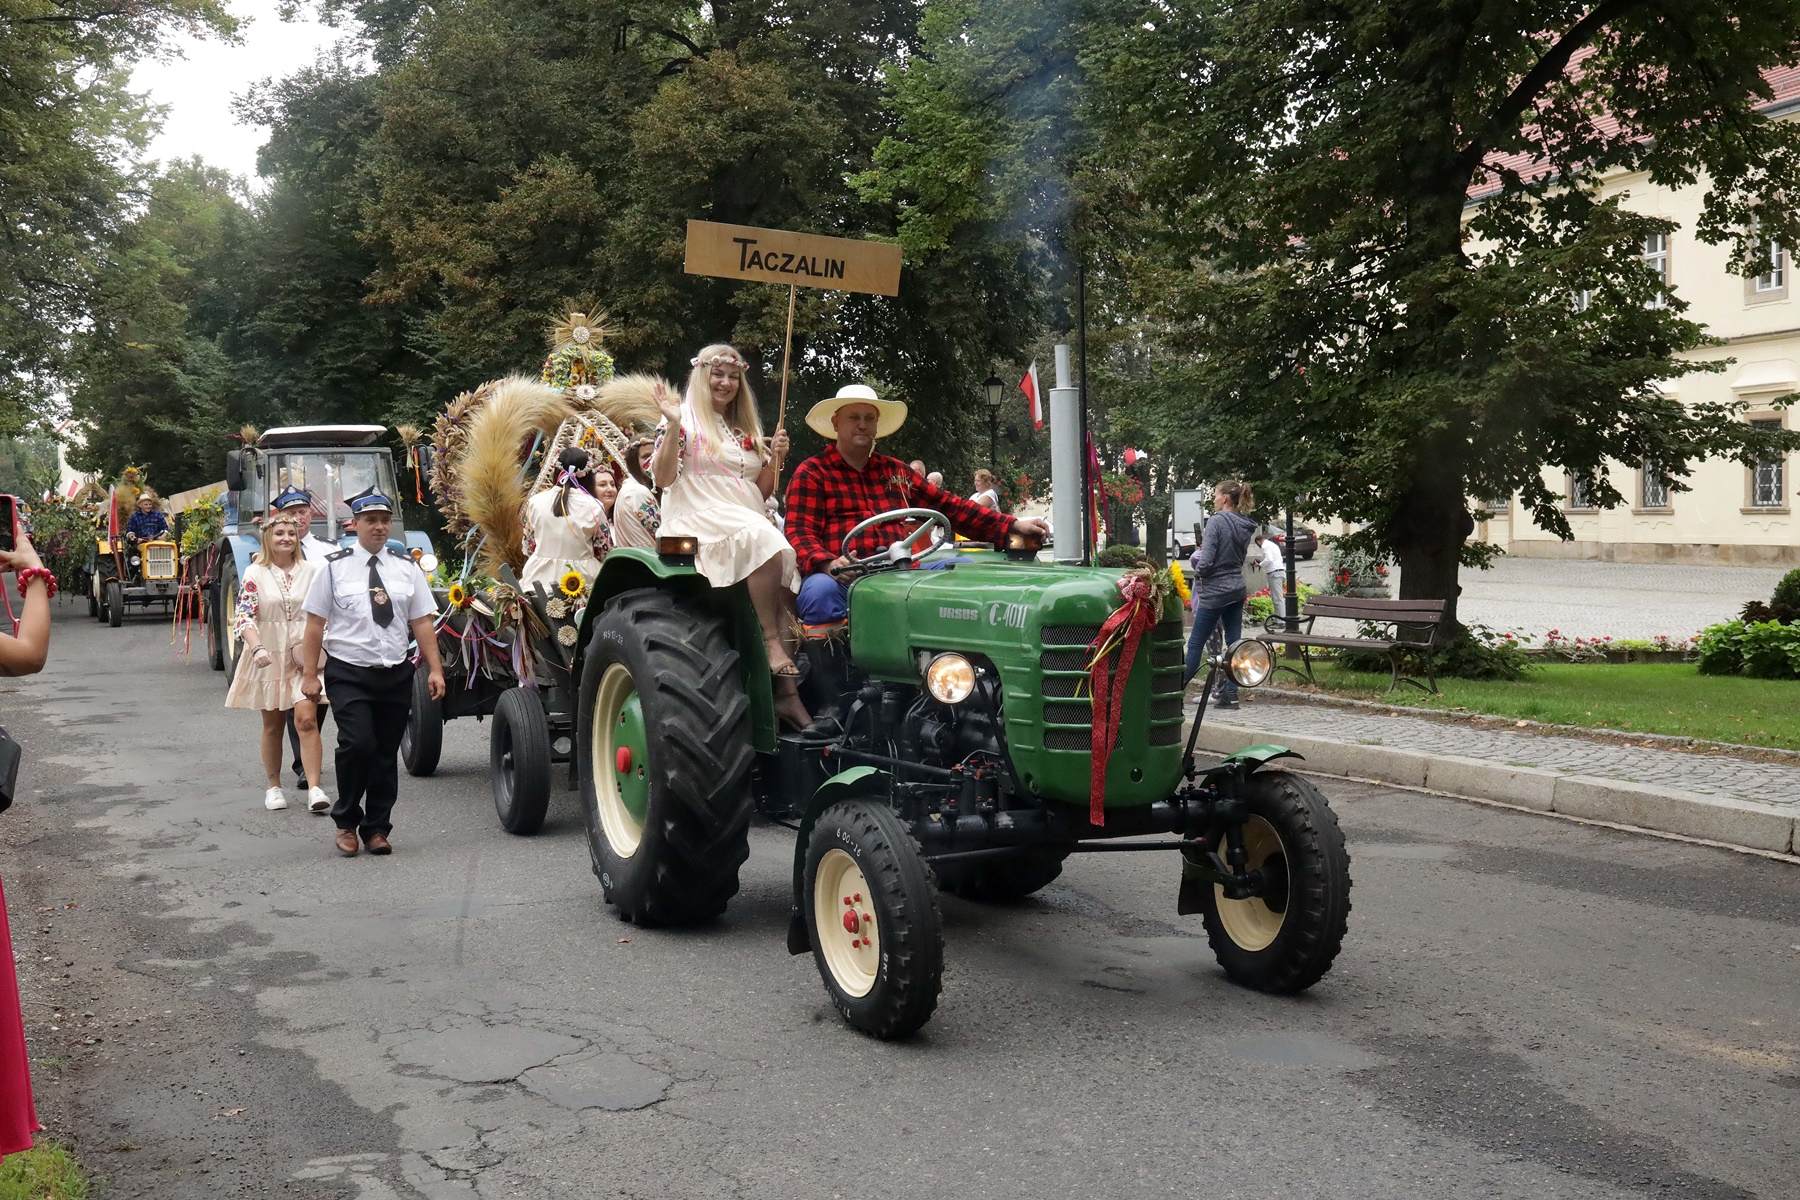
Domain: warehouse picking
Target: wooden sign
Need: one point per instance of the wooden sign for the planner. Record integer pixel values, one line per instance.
(796, 259)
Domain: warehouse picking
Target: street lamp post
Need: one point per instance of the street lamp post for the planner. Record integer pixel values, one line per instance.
(995, 392)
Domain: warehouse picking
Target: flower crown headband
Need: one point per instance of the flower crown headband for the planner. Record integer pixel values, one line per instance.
(729, 357)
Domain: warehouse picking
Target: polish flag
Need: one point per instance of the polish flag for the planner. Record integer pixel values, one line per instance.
(1033, 396)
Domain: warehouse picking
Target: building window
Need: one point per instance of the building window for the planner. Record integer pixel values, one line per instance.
(1768, 478)
(1769, 261)
(1656, 257)
(1653, 487)
(1579, 495)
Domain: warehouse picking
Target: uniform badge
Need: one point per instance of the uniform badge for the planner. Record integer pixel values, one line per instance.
(378, 595)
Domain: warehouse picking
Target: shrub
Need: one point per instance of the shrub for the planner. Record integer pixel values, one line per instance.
(1350, 567)
(1756, 610)
(1480, 653)
(1785, 603)
(1261, 606)
(1121, 556)
(1772, 650)
(1721, 648)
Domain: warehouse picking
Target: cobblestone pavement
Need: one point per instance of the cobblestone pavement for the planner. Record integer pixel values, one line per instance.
(1590, 599)
(1711, 775)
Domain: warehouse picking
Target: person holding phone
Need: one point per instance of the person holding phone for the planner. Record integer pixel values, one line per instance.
(21, 653)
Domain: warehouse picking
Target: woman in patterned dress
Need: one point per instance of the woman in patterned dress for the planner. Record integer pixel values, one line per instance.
(271, 626)
(716, 469)
(567, 526)
(636, 515)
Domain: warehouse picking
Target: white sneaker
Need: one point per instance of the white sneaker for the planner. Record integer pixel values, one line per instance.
(317, 801)
(274, 800)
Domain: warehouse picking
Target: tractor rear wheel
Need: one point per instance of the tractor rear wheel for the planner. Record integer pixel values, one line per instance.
(422, 743)
(664, 753)
(115, 603)
(1284, 939)
(872, 917)
(224, 616)
(519, 761)
(93, 591)
(997, 880)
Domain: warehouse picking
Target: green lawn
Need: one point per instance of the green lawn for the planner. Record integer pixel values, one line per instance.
(46, 1173)
(1672, 698)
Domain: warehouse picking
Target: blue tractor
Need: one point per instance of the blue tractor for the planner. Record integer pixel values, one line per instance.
(333, 463)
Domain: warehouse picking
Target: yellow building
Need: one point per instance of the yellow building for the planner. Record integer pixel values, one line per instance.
(1733, 513)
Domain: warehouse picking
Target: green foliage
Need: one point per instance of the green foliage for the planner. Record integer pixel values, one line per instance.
(28, 466)
(1351, 567)
(201, 525)
(1784, 605)
(1260, 606)
(47, 1172)
(62, 534)
(1121, 556)
(1478, 652)
(1760, 649)
(1722, 648)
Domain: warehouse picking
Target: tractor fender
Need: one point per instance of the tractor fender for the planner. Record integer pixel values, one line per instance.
(845, 785)
(1262, 754)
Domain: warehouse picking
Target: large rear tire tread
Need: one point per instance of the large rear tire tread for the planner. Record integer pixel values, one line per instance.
(1000, 880)
(1318, 913)
(911, 974)
(697, 721)
(423, 743)
(115, 604)
(521, 795)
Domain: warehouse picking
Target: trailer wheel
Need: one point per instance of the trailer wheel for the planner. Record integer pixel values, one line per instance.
(422, 743)
(1284, 939)
(663, 752)
(519, 761)
(229, 646)
(872, 917)
(115, 603)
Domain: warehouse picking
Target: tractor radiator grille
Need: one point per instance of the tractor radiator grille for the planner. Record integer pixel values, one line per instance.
(1065, 660)
(1070, 635)
(1067, 739)
(1069, 713)
(159, 562)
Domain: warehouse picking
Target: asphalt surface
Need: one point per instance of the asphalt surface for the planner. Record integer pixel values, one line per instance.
(218, 1006)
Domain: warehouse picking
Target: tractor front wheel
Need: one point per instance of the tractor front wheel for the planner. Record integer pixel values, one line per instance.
(115, 603)
(664, 753)
(872, 917)
(1284, 938)
(519, 761)
(997, 880)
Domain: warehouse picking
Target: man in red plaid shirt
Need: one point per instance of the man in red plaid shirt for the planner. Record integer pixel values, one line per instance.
(847, 483)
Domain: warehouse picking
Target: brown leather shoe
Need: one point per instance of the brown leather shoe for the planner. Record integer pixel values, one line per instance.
(378, 844)
(346, 842)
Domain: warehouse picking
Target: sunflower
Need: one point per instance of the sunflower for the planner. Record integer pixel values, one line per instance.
(459, 596)
(1181, 584)
(571, 584)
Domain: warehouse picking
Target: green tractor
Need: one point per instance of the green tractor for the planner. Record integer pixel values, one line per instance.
(952, 751)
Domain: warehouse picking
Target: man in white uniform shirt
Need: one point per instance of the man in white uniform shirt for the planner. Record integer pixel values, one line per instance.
(362, 608)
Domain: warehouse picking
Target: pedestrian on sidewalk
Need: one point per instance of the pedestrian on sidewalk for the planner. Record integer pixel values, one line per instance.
(1275, 570)
(272, 627)
(298, 504)
(20, 654)
(361, 609)
(987, 489)
(1219, 577)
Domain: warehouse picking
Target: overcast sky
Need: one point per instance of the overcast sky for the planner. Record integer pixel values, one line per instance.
(199, 88)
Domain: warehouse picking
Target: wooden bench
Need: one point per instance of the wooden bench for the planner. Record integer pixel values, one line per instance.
(1405, 626)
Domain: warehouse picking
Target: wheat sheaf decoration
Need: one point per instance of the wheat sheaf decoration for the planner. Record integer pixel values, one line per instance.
(578, 362)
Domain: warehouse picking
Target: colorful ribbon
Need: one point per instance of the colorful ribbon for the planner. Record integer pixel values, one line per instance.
(1113, 651)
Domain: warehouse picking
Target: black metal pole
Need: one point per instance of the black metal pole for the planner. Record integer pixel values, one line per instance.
(993, 437)
(1289, 589)
(1090, 535)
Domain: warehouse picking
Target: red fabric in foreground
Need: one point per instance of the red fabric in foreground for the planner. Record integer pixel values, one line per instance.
(1108, 676)
(18, 1118)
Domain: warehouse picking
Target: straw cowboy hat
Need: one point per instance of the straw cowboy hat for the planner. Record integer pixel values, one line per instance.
(893, 412)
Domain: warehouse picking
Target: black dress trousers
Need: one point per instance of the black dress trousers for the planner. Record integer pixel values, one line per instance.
(372, 705)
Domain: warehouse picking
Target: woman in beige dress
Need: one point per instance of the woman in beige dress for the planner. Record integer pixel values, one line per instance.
(567, 526)
(270, 625)
(716, 469)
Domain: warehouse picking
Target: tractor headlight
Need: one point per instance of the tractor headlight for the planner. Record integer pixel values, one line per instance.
(1250, 662)
(135, 560)
(950, 678)
(677, 547)
(428, 562)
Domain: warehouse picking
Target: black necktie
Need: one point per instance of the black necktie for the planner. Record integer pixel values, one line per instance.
(379, 602)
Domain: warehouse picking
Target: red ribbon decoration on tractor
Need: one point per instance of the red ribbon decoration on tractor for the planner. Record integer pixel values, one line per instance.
(1114, 650)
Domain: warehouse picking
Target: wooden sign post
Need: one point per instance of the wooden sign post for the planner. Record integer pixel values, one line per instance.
(796, 259)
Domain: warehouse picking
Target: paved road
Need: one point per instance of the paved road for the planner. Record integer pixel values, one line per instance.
(1524, 1008)
(1593, 599)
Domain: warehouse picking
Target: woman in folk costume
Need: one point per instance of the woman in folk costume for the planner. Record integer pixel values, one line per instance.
(716, 469)
(271, 626)
(636, 514)
(566, 527)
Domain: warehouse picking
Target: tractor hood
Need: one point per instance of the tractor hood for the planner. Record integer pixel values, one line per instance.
(1033, 622)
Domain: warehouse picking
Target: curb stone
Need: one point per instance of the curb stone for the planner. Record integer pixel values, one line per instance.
(1630, 805)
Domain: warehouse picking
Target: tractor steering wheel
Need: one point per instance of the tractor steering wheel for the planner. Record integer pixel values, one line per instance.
(901, 551)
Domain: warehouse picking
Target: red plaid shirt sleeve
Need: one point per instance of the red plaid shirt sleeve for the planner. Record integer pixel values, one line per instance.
(827, 497)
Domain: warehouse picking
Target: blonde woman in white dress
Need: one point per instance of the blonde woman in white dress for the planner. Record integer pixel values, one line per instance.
(271, 625)
(716, 470)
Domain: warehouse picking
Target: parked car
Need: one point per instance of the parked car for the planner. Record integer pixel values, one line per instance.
(1306, 541)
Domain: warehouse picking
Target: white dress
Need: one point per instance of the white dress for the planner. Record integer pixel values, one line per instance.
(715, 498)
(579, 539)
(636, 516)
(270, 599)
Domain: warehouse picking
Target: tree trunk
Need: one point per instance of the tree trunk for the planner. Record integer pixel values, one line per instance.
(1434, 521)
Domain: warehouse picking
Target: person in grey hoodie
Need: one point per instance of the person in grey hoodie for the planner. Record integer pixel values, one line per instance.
(1219, 577)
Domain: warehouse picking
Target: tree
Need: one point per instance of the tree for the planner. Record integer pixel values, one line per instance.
(1369, 338)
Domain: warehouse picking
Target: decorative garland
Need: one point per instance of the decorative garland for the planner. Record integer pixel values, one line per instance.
(577, 362)
(1112, 653)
